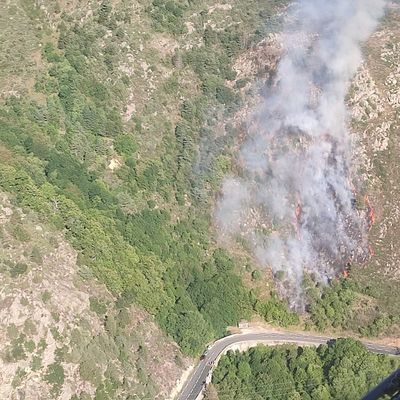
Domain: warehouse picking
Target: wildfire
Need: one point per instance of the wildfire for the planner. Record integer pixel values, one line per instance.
(297, 213)
(346, 271)
(371, 251)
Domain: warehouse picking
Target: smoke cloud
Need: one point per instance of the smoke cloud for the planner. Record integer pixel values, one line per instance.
(293, 200)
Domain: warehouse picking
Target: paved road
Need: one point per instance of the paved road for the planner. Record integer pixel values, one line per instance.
(195, 383)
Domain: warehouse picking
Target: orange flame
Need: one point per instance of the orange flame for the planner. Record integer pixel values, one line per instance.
(371, 251)
(371, 212)
(298, 212)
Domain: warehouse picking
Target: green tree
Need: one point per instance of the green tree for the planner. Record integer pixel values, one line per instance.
(343, 369)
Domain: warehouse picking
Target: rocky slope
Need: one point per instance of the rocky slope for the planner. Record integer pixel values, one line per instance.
(375, 102)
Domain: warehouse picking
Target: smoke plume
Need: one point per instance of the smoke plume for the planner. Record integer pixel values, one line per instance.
(293, 199)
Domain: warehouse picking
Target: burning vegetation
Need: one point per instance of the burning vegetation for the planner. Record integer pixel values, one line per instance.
(370, 212)
(295, 164)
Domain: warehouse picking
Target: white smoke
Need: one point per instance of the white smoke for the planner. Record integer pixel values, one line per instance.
(293, 201)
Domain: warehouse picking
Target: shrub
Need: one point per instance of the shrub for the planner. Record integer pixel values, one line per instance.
(55, 377)
(90, 372)
(29, 346)
(168, 16)
(18, 269)
(46, 296)
(99, 306)
(36, 363)
(125, 145)
(16, 351)
(225, 95)
(20, 234)
(256, 275)
(19, 375)
(36, 256)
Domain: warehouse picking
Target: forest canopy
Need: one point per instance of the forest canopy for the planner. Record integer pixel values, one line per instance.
(341, 370)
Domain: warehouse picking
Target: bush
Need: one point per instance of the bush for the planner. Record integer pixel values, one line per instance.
(275, 311)
(99, 306)
(168, 16)
(89, 371)
(241, 83)
(36, 256)
(380, 325)
(36, 363)
(55, 377)
(333, 308)
(46, 296)
(18, 269)
(225, 95)
(16, 351)
(19, 375)
(256, 275)
(125, 145)
(20, 234)
(29, 346)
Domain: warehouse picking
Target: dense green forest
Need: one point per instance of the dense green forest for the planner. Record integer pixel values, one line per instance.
(340, 306)
(143, 229)
(342, 370)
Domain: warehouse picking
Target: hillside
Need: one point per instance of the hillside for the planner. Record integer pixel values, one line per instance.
(374, 101)
(361, 299)
(63, 334)
(119, 120)
(366, 302)
(112, 147)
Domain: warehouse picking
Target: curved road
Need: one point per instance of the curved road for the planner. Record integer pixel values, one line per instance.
(195, 383)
